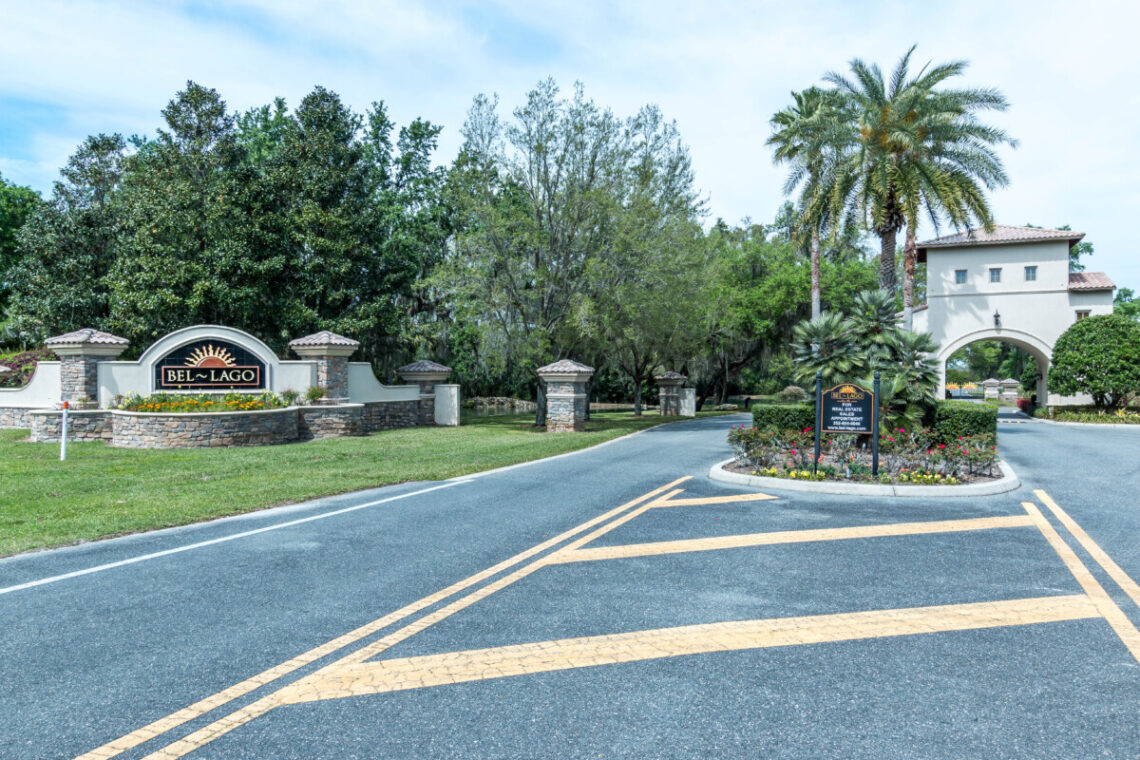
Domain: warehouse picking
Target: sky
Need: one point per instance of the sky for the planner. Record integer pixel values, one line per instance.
(720, 69)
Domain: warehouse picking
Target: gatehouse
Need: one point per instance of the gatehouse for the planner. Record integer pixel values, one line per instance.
(1012, 284)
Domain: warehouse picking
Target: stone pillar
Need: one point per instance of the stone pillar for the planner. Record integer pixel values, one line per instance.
(669, 392)
(689, 402)
(565, 395)
(1009, 388)
(330, 353)
(991, 388)
(425, 374)
(79, 355)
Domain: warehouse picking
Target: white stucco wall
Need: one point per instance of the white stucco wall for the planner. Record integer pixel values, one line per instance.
(41, 392)
(1034, 313)
(364, 387)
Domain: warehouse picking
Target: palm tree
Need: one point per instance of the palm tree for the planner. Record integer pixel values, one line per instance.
(874, 321)
(825, 344)
(919, 149)
(810, 135)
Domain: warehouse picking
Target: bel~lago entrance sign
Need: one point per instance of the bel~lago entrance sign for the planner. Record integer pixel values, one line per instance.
(210, 365)
(847, 408)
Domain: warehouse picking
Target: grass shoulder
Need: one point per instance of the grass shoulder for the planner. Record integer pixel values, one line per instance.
(101, 491)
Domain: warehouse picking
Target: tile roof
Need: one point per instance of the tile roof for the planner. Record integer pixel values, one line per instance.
(1090, 281)
(423, 365)
(563, 366)
(88, 335)
(324, 338)
(1001, 234)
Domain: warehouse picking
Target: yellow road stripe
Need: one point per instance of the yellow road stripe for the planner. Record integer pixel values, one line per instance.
(196, 710)
(716, 500)
(1108, 609)
(546, 656)
(789, 537)
(1128, 585)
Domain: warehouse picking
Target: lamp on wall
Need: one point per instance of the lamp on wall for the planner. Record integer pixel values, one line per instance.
(997, 320)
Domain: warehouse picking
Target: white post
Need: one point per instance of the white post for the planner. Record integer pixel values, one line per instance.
(63, 434)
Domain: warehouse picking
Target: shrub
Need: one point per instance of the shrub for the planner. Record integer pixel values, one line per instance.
(961, 419)
(792, 393)
(315, 393)
(1041, 412)
(24, 366)
(1099, 356)
(785, 417)
(290, 396)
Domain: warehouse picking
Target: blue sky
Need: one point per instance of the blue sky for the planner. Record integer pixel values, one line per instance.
(719, 68)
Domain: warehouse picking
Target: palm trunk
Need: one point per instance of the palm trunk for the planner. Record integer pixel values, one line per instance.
(910, 254)
(815, 306)
(887, 261)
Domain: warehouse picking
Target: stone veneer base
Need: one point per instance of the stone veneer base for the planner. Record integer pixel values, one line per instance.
(150, 430)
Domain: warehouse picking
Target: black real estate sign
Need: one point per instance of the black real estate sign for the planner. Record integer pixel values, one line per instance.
(847, 408)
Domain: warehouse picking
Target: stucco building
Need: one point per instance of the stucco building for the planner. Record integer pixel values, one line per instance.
(1012, 284)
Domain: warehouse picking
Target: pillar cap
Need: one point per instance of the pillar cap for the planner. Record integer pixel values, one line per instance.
(324, 343)
(566, 370)
(670, 378)
(991, 382)
(87, 342)
(424, 370)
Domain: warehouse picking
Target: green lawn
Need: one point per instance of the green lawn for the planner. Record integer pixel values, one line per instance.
(102, 491)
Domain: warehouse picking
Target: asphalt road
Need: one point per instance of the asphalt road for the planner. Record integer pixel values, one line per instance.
(403, 622)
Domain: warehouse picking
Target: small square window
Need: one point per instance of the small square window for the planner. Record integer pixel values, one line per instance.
(1082, 314)
(1030, 274)
(959, 276)
(995, 275)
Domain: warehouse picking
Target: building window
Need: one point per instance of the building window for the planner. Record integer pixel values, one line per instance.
(1082, 314)
(995, 275)
(1030, 274)
(959, 276)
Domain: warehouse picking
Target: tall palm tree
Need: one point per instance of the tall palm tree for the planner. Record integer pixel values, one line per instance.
(919, 149)
(810, 135)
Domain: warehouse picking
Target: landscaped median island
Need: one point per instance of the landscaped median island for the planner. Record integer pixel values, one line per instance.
(958, 450)
(103, 491)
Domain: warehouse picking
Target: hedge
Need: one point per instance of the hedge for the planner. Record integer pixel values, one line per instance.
(958, 419)
(783, 416)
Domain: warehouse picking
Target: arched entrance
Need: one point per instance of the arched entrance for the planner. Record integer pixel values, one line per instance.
(1041, 352)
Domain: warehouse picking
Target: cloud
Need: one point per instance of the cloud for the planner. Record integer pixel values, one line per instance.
(719, 68)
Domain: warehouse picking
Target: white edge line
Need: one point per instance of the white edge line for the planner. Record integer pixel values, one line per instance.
(223, 539)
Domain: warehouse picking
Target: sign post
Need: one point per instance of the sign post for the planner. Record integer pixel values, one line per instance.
(63, 434)
(818, 418)
(875, 430)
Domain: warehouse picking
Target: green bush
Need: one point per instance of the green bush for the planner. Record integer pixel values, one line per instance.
(783, 417)
(960, 419)
(1099, 356)
(792, 393)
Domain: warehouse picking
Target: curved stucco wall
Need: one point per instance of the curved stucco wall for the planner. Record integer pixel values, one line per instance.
(42, 391)
(363, 387)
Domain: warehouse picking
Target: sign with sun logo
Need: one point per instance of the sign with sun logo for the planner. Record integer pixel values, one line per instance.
(210, 365)
(847, 408)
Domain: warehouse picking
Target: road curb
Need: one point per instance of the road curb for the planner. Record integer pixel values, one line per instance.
(1008, 482)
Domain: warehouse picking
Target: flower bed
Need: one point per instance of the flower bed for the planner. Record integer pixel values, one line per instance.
(914, 457)
(175, 403)
(1097, 416)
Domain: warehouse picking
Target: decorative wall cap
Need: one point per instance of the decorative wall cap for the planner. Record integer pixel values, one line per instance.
(671, 377)
(324, 338)
(565, 367)
(423, 365)
(1010, 381)
(87, 341)
(991, 381)
(87, 336)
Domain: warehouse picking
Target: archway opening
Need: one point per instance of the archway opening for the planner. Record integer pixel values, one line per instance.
(966, 363)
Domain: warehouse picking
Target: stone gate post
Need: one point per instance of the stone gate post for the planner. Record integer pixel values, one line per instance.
(330, 352)
(565, 395)
(669, 392)
(425, 374)
(79, 353)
